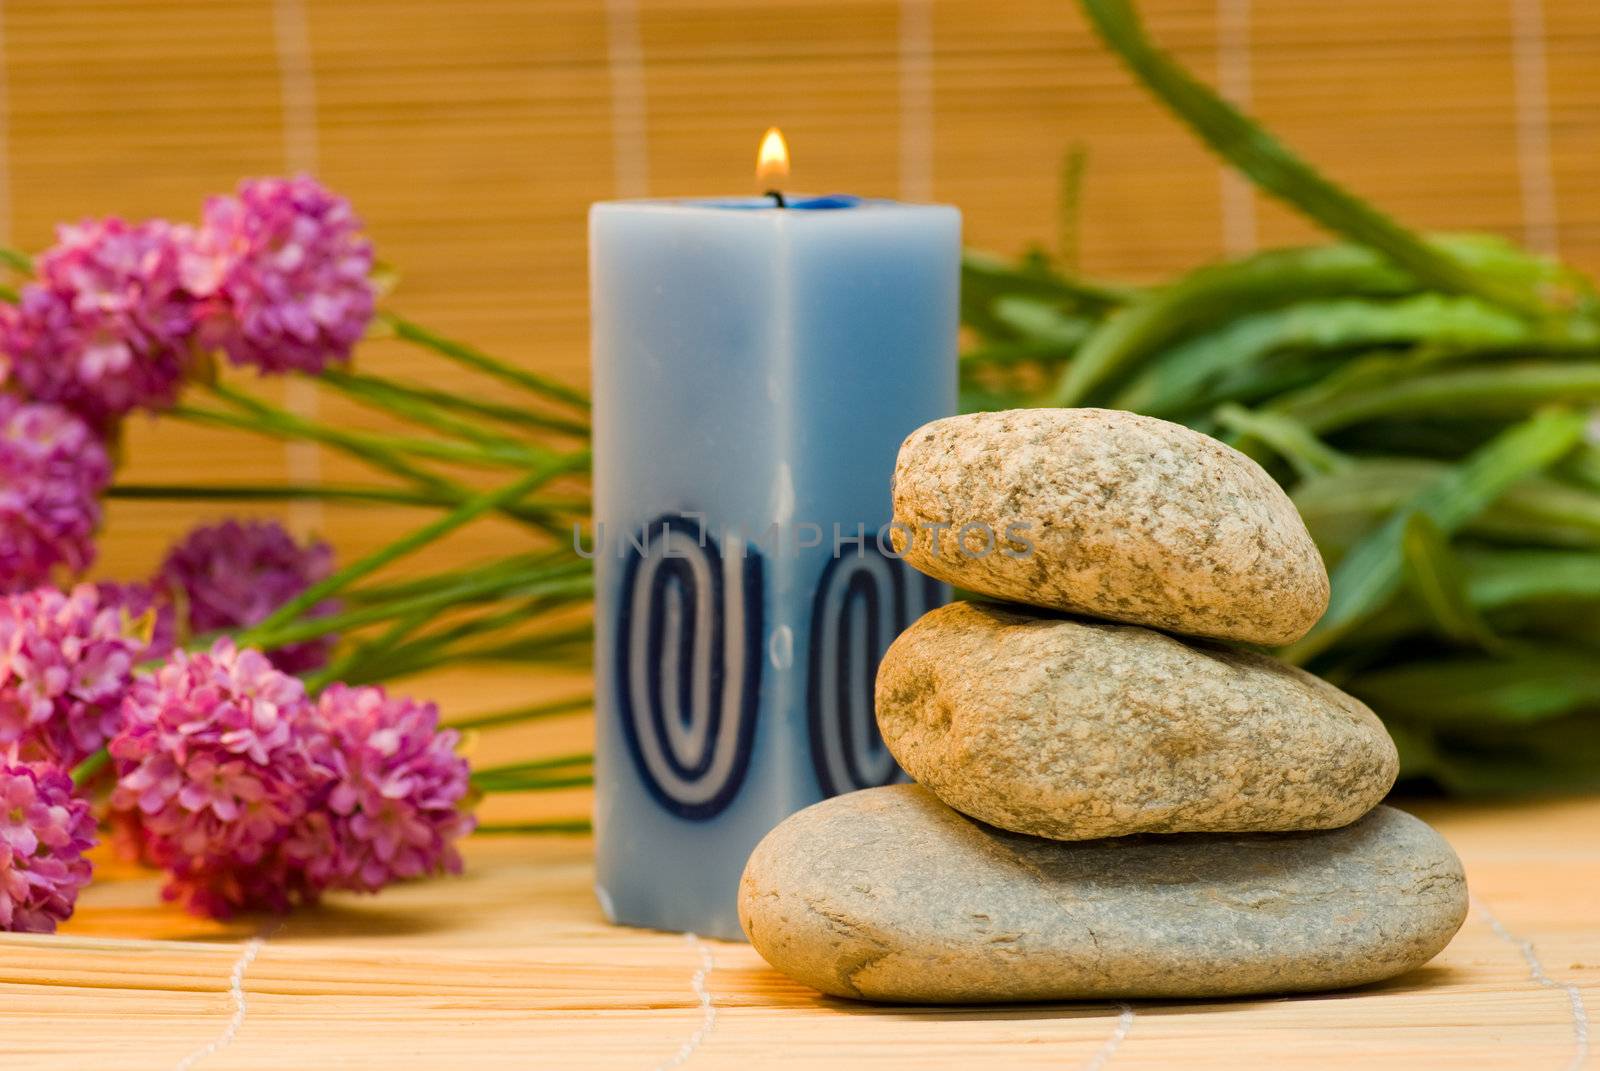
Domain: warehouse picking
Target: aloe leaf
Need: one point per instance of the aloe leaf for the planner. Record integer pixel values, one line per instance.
(1370, 573)
(1155, 320)
(1308, 455)
(1500, 577)
(1418, 754)
(1199, 364)
(985, 278)
(1500, 390)
(1513, 689)
(1516, 590)
(1215, 294)
(1434, 575)
(1016, 352)
(1041, 321)
(1274, 168)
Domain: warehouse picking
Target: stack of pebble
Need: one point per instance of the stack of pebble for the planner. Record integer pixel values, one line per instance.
(1111, 802)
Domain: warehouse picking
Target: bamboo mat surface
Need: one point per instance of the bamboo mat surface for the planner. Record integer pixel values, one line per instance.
(511, 966)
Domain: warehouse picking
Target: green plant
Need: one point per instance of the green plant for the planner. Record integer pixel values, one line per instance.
(1424, 398)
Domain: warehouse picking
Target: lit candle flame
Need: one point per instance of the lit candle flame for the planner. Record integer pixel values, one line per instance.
(772, 162)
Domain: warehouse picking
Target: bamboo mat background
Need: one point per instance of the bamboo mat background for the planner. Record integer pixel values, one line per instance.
(473, 134)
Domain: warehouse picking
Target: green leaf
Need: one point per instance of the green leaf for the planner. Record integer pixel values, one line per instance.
(1041, 321)
(1498, 390)
(1517, 590)
(1191, 372)
(1341, 506)
(1558, 755)
(1275, 169)
(1434, 575)
(985, 277)
(1418, 755)
(1518, 688)
(1309, 455)
(1498, 578)
(1370, 573)
(1155, 320)
(1217, 293)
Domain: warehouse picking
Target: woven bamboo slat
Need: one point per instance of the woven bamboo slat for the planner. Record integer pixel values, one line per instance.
(473, 135)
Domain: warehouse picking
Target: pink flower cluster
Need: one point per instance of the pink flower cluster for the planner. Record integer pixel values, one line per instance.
(44, 832)
(216, 756)
(120, 315)
(283, 274)
(252, 796)
(52, 472)
(276, 275)
(393, 810)
(105, 327)
(233, 575)
(65, 664)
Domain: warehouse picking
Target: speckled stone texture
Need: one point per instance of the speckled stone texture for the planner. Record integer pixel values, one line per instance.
(1132, 518)
(887, 894)
(1074, 729)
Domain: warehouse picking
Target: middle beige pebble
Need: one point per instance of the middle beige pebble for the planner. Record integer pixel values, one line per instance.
(1075, 729)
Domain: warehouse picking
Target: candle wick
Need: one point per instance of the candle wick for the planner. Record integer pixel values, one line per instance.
(777, 198)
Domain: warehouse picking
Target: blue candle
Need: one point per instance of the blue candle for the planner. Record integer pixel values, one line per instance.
(755, 370)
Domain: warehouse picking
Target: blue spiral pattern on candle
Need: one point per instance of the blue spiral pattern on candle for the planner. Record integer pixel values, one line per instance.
(688, 663)
(861, 604)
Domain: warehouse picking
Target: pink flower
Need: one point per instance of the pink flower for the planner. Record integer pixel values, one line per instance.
(65, 665)
(52, 471)
(233, 575)
(106, 326)
(395, 808)
(44, 832)
(284, 273)
(218, 757)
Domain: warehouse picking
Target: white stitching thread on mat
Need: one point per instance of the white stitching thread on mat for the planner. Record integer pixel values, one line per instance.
(708, 1010)
(1580, 1015)
(240, 1006)
(1112, 1043)
(1530, 87)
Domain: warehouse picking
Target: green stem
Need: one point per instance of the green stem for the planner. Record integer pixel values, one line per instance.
(513, 566)
(282, 425)
(409, 544)
(531, 784)
(16, 259)
(355, 446)
(517, 829)
(89, 768)
(524, 714)
(555, 762)
(545, 648)
(433, 603)
(293, 426)
(400, 659)
(529, 648)
(475, 358)
(423, 414)
(340, 668)
(509, 415)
